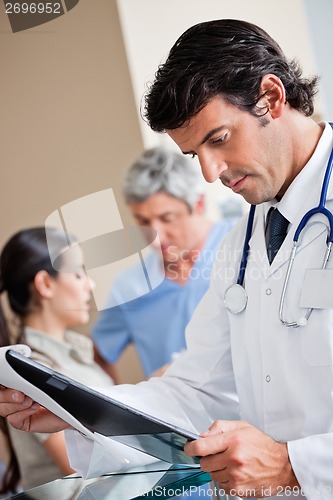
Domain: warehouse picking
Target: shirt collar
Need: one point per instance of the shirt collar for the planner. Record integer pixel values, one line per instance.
(76, 345)
(303, 183)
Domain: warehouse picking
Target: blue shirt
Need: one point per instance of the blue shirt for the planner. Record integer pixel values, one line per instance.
(155, 322)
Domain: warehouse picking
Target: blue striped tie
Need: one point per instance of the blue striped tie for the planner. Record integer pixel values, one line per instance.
(276, 230)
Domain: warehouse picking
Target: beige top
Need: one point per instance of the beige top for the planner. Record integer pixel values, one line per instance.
(74, 358)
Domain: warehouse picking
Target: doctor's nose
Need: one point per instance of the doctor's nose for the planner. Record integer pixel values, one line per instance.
(212, 167)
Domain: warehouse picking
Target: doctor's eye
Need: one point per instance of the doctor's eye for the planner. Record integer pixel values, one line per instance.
(220, 140)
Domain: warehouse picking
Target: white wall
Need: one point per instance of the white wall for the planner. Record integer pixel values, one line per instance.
(150, 27)
(319, 15)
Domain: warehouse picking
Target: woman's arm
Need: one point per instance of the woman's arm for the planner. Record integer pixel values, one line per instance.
(56, 447)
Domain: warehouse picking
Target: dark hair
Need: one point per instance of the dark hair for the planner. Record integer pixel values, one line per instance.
(23, 256)
(225, 57)
(12, 474)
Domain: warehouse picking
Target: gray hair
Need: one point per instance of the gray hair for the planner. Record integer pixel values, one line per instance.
(161, 170)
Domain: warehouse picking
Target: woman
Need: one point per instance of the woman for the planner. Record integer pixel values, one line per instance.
(48, 299)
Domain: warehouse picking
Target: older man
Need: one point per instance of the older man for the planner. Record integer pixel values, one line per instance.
(164, 191)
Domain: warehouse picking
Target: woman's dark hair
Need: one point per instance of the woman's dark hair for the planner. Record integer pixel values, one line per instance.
(226, 58)
(23, 256)
(12, 474)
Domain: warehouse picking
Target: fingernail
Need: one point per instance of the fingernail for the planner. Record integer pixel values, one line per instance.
(15, 397)
(26, 402)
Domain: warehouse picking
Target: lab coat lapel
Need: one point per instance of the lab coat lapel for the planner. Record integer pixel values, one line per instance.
(310, 199)
(313, 229)
(258, 252)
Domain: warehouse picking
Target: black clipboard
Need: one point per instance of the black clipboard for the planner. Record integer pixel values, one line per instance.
(90, 411)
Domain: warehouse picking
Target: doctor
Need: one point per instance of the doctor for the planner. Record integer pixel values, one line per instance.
(228, 95)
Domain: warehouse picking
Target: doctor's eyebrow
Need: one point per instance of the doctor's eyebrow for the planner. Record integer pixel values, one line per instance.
(206, 138)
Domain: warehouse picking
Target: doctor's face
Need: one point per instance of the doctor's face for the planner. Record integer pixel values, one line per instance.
(252, 156)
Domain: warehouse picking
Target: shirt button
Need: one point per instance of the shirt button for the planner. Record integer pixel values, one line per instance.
(268, 378)
(268, 291)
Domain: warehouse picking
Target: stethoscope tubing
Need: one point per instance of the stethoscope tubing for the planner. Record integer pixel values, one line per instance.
(321, 207)
(301, 226)
(246, 247)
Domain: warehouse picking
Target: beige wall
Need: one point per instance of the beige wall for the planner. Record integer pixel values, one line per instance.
(68, 122)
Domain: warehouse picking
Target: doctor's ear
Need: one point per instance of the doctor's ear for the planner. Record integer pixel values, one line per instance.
(43, 284)
(273, 97)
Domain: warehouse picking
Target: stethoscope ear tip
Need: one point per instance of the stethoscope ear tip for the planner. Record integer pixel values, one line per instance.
(302, 321)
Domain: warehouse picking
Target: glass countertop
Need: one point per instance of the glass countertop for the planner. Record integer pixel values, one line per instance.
(148, 482)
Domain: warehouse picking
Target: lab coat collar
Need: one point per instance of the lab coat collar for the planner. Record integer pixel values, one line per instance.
(302, 195)
(258, 252)
(306, 183)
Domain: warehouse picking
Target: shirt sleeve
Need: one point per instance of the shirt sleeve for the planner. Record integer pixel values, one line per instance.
(111, 333)
(312, 461)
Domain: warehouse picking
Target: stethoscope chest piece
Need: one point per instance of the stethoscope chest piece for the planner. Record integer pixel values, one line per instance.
(235, 298)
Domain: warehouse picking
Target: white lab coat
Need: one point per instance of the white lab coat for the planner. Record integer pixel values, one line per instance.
(249, 365)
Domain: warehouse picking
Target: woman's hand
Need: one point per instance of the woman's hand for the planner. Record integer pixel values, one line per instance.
(26, 415)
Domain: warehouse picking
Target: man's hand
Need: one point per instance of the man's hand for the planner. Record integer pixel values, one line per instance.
(26, 415)
(243, 460)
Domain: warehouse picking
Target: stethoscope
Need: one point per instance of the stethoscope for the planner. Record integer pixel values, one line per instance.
(235, 298)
